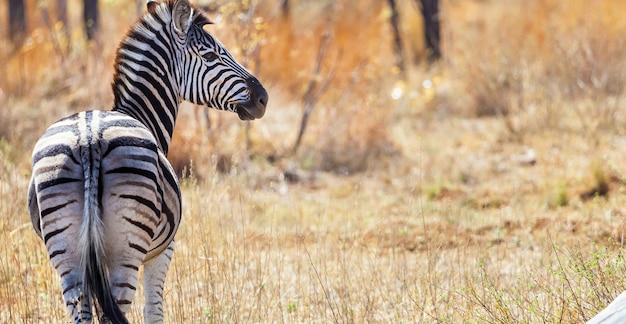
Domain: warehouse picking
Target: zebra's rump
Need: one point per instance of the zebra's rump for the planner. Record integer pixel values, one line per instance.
(136, 192)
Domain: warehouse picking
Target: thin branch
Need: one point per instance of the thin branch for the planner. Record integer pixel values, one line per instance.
(45, 16)
(313, 93)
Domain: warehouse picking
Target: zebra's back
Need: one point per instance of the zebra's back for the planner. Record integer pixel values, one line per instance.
(104, 167)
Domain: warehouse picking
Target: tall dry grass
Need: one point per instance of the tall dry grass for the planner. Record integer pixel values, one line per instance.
(413, 200)
(541, 64)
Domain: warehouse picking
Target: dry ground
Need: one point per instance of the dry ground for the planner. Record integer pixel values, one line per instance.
(487, 188)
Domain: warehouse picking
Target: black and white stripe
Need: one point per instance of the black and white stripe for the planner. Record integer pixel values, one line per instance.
(103, 196)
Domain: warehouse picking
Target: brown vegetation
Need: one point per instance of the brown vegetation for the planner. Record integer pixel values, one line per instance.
(486, 188)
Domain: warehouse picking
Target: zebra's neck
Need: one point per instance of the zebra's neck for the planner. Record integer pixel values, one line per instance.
(145, 84)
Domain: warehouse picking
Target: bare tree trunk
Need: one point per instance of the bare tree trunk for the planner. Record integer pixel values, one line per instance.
(394, 19)
(432, 33)
(284, 7)
(50, 23)
(17, 20)
(91, 18)
(62, 14)
(62, 17)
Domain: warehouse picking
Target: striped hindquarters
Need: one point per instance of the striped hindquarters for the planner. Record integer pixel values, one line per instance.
(106, 166)
(130, 162)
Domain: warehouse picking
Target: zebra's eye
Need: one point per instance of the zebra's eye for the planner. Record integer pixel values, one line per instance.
(210, 56)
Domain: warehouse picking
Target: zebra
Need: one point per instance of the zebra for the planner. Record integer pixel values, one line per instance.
(102, 196)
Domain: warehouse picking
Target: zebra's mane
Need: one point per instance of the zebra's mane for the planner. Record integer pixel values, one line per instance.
(141, 35)
(157, 17)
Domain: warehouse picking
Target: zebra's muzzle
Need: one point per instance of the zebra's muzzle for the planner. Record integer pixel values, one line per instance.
(247, 113)
(255, 108)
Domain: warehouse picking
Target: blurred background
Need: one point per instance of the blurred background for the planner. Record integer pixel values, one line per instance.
(346, 78)
(336, 69)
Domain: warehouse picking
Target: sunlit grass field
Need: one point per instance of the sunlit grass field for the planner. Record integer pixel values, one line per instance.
(487, 188)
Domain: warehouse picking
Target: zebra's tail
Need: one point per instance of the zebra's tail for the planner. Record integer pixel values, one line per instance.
(91, 243)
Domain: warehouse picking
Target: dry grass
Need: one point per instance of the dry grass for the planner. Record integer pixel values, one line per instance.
(487, 188)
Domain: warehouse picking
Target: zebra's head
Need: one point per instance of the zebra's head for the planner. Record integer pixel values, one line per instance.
(209, 74)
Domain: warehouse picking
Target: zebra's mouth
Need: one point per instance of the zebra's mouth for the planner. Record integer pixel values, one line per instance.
(255, 107)
(250, 113)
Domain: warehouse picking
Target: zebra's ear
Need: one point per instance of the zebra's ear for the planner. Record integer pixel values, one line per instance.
(151, 6)
(182, 14)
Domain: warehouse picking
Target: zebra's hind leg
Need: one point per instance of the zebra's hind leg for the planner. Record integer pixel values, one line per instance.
(65, 259)
(154, 274)
(124, 278)
(78, 303)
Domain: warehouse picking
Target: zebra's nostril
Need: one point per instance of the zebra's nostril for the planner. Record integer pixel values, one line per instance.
(262, 101)
(259, 94)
